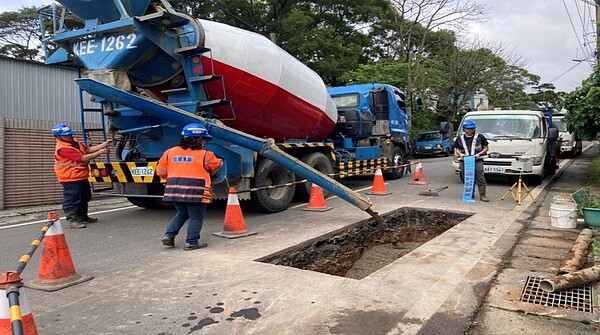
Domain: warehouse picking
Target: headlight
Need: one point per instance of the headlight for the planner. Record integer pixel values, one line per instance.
(538, 160)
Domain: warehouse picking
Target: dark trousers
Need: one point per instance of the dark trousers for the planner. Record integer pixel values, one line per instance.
(76, 196)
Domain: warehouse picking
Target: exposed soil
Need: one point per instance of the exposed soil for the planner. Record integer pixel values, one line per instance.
(379, 256)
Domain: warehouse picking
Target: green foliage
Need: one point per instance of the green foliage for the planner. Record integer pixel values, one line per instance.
(583, 105)
(20, 34)
(424, 121)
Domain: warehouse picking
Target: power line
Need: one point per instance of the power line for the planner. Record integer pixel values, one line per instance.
(573, 26)
(569, 70)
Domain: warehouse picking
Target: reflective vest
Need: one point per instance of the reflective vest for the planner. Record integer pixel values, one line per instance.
(188, 174)
(476, 145)
(66, 169)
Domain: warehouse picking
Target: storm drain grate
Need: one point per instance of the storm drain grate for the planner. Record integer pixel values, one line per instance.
(578, 298)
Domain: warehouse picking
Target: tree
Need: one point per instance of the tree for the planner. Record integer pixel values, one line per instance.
(583, 106)
(545, 96)
(20, 35)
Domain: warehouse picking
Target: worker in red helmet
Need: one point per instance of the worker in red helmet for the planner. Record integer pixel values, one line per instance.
(71, 160)
(187, 168)
(473, 144)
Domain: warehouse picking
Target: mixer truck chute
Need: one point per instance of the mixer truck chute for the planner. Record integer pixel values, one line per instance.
(154, 69)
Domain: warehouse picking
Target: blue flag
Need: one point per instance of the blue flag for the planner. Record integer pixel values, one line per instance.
(469, 178)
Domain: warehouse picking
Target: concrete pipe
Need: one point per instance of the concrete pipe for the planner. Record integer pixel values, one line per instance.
(570, 280)
(578, 254)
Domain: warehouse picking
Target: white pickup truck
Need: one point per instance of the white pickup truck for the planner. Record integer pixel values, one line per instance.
(515, 136)
(571, 145)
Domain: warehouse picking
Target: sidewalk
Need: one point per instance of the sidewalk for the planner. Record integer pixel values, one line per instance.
(539, 253)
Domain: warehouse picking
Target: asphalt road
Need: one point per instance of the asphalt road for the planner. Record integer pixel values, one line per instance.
(128, 238)
(133, 271)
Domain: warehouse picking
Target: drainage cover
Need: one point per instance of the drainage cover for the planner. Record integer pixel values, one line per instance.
(578, 298)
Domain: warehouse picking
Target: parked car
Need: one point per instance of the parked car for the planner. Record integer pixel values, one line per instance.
(432, 143)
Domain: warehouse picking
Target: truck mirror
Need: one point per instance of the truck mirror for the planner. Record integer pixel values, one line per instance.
(552, 134)
(444, 126)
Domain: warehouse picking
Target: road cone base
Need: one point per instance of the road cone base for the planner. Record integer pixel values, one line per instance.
(378, 193)
(58, 284)
(232, 235)
(317, 209)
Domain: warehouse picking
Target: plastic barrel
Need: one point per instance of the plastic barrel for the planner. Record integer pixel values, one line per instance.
(563, 215)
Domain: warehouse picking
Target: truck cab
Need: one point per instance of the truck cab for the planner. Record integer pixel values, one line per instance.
(513, 136)
(571, 144)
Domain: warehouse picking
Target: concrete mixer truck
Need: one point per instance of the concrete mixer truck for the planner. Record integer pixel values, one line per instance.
(154, 69)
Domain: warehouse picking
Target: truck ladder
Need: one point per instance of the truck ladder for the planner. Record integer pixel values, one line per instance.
(86, 132)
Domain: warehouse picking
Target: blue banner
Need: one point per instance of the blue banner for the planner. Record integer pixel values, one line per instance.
(469, 178)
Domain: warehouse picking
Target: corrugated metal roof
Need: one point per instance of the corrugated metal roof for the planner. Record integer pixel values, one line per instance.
(35, 91)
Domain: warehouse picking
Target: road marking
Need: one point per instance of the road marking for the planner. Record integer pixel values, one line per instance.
(44, 221)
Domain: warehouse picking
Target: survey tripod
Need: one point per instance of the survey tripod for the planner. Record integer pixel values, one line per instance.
(520, 185)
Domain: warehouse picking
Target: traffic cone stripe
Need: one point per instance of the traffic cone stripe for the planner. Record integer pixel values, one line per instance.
(55, 229)
(232, 199)
(234, 224)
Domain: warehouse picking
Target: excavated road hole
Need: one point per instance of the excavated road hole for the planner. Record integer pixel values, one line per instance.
(365, 247)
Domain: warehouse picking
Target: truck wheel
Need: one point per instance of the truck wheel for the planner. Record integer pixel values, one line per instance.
(271, 200)
(319, 162)
(397, 158)
(151, 203)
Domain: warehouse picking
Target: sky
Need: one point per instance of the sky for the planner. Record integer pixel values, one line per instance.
(545, 34)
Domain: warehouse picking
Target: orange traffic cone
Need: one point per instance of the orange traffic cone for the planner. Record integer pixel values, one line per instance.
(15, 316)
(316, 203)
(419, 176)
(378, 184)
(234, 225)
(56, 269)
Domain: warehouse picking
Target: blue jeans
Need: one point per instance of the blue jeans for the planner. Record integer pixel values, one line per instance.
(76, 195)
(193, 211)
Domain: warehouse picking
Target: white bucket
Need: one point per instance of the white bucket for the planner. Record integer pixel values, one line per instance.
(563, 214)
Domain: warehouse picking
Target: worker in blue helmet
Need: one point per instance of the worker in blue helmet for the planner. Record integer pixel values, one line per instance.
(71, 160)
(188, 167)
(471, 143)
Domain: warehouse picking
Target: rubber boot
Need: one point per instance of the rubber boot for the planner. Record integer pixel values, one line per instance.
(73, 220)
(82, 215)
(482, 196)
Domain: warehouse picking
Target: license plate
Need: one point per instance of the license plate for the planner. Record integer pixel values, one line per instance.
(493, 169)
(428, 147)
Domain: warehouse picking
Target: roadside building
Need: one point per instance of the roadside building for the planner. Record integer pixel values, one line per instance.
(33, 97)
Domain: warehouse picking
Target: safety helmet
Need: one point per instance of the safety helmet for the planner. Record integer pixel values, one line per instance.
(469, 125)
(195, 130)
(62, 130)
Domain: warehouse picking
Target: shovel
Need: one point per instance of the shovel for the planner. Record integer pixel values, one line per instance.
(434, 192)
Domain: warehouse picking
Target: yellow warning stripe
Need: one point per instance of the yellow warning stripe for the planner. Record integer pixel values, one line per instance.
(124, 172)
(15, 312)
(356, 168)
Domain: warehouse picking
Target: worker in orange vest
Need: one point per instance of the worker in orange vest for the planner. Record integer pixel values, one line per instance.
(71, 160)
(187, 168)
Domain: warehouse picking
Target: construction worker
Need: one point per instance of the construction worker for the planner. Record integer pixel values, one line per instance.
(187, 168)
(71, 160)
(473, 144)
